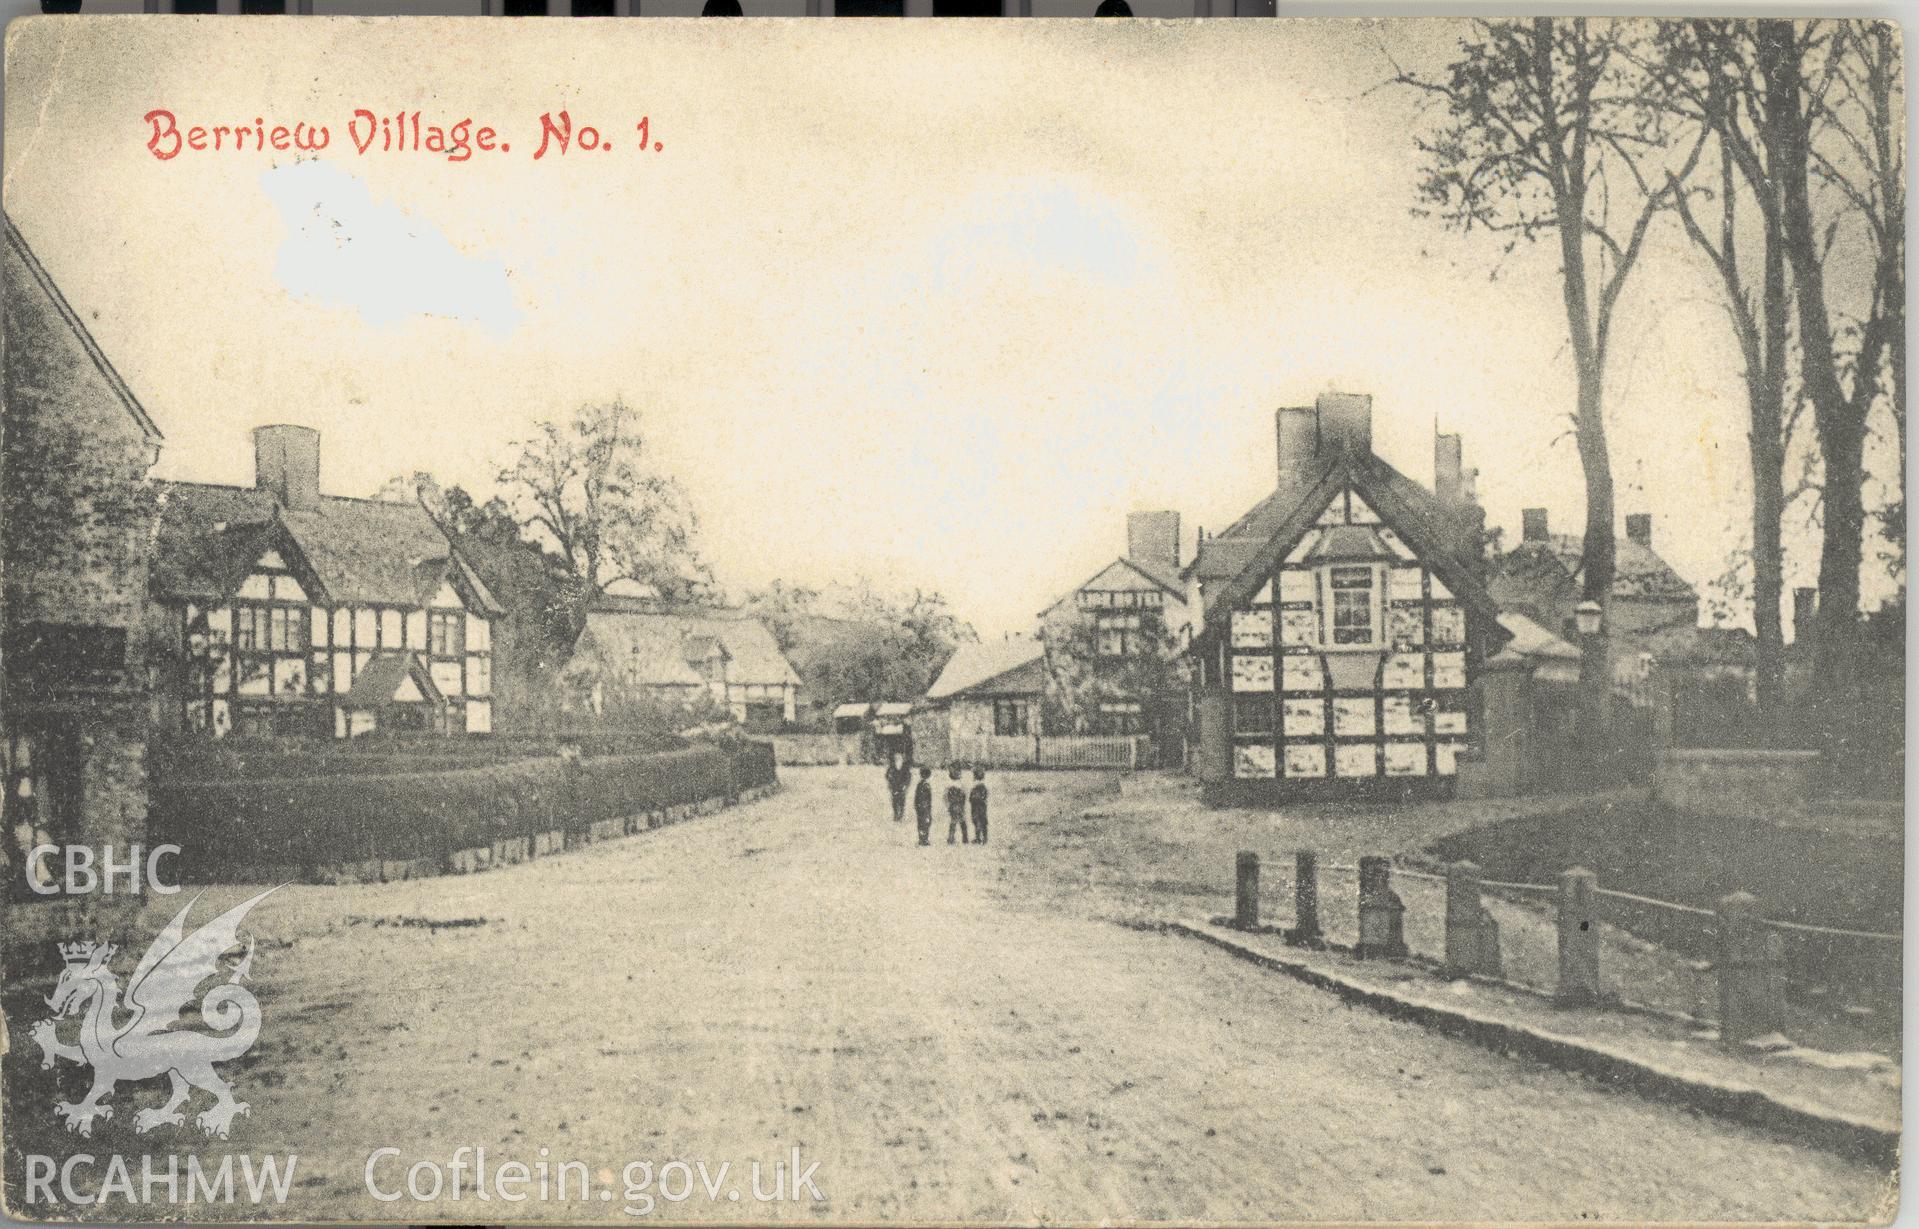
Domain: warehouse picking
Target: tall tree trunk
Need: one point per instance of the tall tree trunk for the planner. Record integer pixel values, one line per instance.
(1840, 428)
(1766, 389)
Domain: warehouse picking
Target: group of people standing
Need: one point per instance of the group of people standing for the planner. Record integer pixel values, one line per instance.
(899, 775)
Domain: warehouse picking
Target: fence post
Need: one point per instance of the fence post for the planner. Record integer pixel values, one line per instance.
(1305, 931)
(1750, 994)
(1472, 936)
(1382, 916)
(1246, 890)
(1578, 938)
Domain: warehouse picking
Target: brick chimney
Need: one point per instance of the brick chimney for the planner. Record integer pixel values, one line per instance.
(1346, 422)
(286, 461)
(1532, 525)
(1297, 430)
(1639, 528)
(1152, 539)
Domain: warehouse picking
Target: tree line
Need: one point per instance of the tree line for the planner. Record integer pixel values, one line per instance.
(1777, 147)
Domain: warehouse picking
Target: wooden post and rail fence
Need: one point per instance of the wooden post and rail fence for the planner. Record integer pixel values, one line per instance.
(1749, 948)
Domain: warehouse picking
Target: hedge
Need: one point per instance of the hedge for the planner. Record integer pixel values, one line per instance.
(338, 817)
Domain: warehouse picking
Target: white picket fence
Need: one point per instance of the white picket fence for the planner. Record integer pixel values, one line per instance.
(1048, 751)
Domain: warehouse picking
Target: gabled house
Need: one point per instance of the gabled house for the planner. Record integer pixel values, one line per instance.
(280, 610)
(635, 647)
(1542, 576)
(1111, 639)
(78, 515)
(1343, 621)
(992, 687)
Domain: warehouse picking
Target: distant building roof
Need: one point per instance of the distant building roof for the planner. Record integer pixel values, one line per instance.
(657, 647)
(1529, 639)
(1638, 571)
(973, 666)
(360, 551)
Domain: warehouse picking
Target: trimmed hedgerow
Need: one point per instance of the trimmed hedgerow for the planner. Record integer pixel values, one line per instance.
(336, 817)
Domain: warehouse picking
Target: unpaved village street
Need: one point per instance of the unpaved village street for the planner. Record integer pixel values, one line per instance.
(945, 1038)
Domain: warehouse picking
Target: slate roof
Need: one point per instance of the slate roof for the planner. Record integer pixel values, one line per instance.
(1227, 553)
(661, 646)
(359, 551)
(1638, 571)
(375, 682)
(1270, 529)
(1529, 639)
(973, 666)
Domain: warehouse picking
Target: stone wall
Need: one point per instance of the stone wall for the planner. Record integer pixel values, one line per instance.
(79, 516)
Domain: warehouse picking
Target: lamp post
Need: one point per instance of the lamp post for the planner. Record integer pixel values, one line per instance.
(1595, 684)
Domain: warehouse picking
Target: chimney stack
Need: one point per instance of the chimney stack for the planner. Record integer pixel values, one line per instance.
(1639, 528)
(1152, 539)
(1449, 479)
(1297, 428)
(1532, 525)
(1346, 422)
(1805, 612)
(286, 461)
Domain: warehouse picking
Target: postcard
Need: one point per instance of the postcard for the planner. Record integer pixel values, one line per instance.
(1118, 615)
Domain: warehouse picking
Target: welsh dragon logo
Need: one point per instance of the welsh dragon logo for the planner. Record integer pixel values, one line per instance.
(138, 1040)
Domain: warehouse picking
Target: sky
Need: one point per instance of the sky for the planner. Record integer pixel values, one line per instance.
(930, 303)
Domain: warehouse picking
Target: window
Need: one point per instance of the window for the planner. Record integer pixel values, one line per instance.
(270, 629)
(1120, 635)
(253, 8)
(1113, 8)
(1352, 589)
(1010, 717)
(1252, 715)
(722, 8)
(593, 8)
(869, 8)
(194, 6)
(523, 8)
(966, 8)
(1121, 717)
(443, 633)
(43, 800)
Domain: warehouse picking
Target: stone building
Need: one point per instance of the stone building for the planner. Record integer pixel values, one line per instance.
(78, 511)
(279, 610)
(1342, 624)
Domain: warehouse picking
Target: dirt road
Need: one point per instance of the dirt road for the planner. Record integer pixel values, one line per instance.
(944, 1040)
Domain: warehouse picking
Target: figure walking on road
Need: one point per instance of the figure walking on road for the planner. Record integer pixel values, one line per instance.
(977, 797)
(898, 777)
(923, 805)
(955, 806)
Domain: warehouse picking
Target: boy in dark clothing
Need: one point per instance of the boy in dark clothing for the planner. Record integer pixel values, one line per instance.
(923, 804)
(898, 777)
(977, 797)
(955, 806)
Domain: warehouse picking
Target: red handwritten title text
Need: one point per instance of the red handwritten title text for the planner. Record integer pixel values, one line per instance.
(400, 132)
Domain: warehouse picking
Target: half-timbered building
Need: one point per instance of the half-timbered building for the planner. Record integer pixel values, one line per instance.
(283, 611)
(1342, 622)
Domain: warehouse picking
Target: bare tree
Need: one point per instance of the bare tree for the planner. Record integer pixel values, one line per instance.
(1545, 135)
(1708, 77)
(588, 488)
(1842, 79)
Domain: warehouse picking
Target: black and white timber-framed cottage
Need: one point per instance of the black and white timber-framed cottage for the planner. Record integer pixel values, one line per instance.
(281, 611)
(1342, 622)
